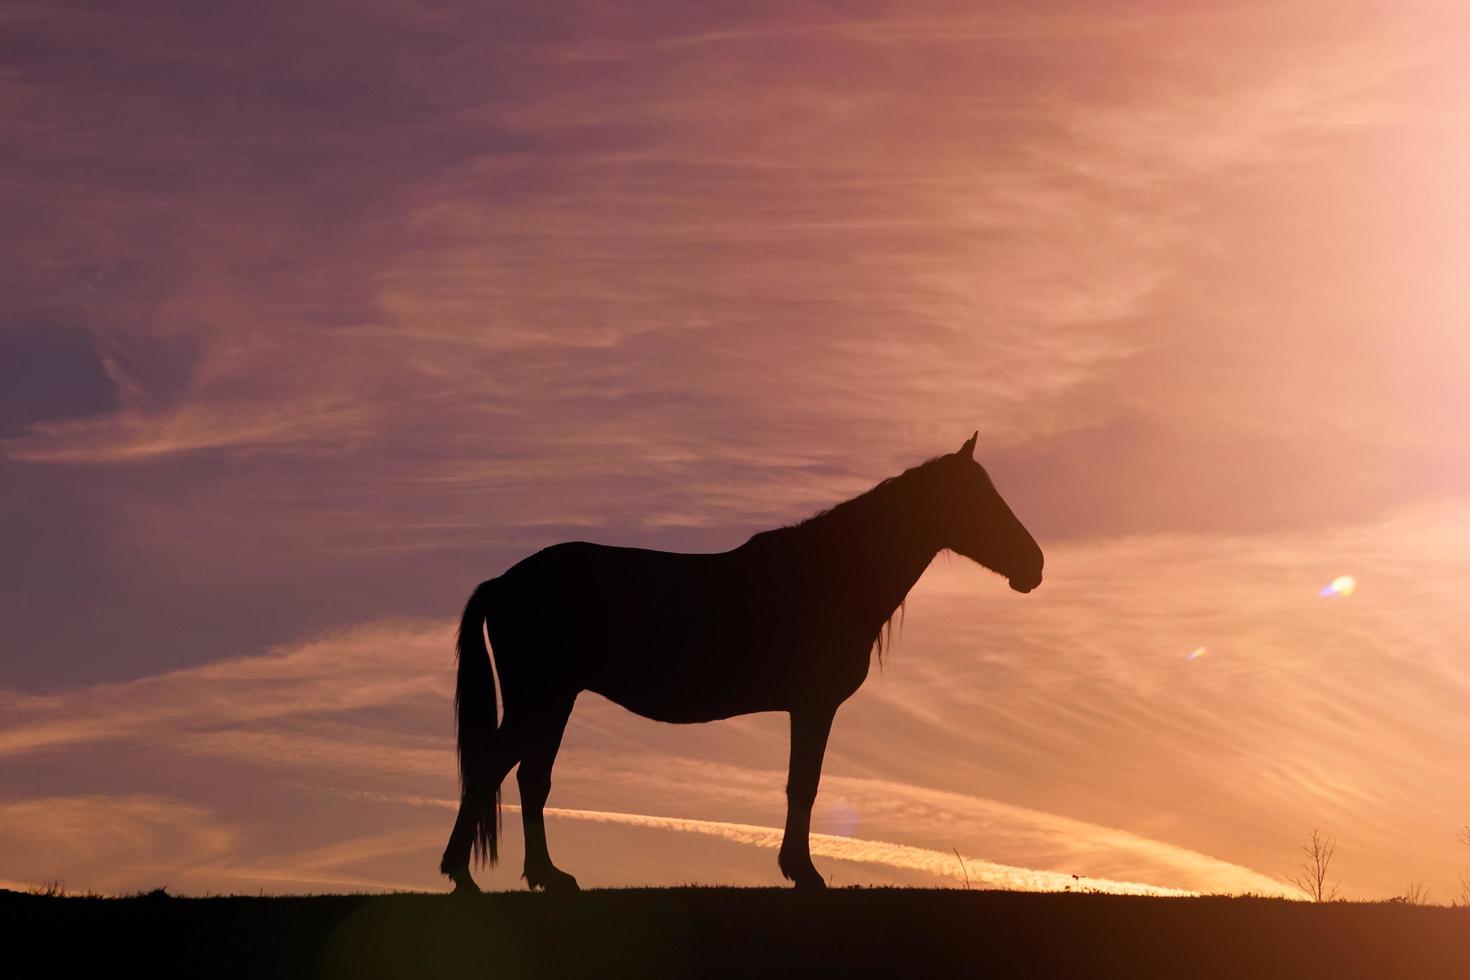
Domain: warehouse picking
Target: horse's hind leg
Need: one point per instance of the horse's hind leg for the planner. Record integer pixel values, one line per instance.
(534, 778)
(505, 753)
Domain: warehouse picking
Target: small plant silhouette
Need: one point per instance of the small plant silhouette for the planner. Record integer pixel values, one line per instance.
(1415, 894)
(963, 869)
(1463, 836)
(1311, 876)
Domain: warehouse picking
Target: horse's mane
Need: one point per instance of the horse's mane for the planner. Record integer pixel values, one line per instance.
(840, 515)
(853, 507)
(856, 506)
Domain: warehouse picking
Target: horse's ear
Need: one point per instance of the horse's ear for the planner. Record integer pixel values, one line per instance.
(968, 449)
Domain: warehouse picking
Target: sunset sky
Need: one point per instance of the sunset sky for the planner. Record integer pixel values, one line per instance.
(314, 315)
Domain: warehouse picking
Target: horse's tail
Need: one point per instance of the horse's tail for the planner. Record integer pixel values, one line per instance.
(474, 719)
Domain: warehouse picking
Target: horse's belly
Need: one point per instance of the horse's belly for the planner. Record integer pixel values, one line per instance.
(683, 711)
(691, 687)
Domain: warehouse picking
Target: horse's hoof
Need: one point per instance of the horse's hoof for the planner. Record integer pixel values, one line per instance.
(463, 883)
(553, 881)
(802, 873)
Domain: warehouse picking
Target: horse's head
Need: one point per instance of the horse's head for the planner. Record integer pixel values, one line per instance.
(978, 524)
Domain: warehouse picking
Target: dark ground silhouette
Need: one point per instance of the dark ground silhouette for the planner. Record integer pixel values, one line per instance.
(722, 932)
(785, 622)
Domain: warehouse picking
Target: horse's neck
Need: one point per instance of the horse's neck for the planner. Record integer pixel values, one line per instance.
(880, 555)
(906, 561)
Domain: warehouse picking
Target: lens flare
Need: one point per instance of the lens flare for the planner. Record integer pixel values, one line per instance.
(1195, 654)
(837, 817)
(1343, 585)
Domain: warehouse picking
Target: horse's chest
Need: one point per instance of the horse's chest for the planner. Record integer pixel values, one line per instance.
(839, 676)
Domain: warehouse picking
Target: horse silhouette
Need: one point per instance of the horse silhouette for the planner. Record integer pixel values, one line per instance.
(785, 622)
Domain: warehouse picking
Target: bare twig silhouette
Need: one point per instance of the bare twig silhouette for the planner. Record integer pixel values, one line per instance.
(1311, 876)
(1415, 894)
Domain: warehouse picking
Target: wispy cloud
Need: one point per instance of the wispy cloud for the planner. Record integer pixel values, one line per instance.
(1067, 732)
(368, 667)
(543, 310)
(352, 708)
(109, 843)
(938, 863)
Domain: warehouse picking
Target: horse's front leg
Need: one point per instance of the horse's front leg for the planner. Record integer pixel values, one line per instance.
(809, 729)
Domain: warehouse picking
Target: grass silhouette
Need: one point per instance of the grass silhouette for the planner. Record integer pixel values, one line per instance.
(705, 932)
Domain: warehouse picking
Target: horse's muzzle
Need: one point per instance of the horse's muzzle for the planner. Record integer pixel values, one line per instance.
(1024, 585)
